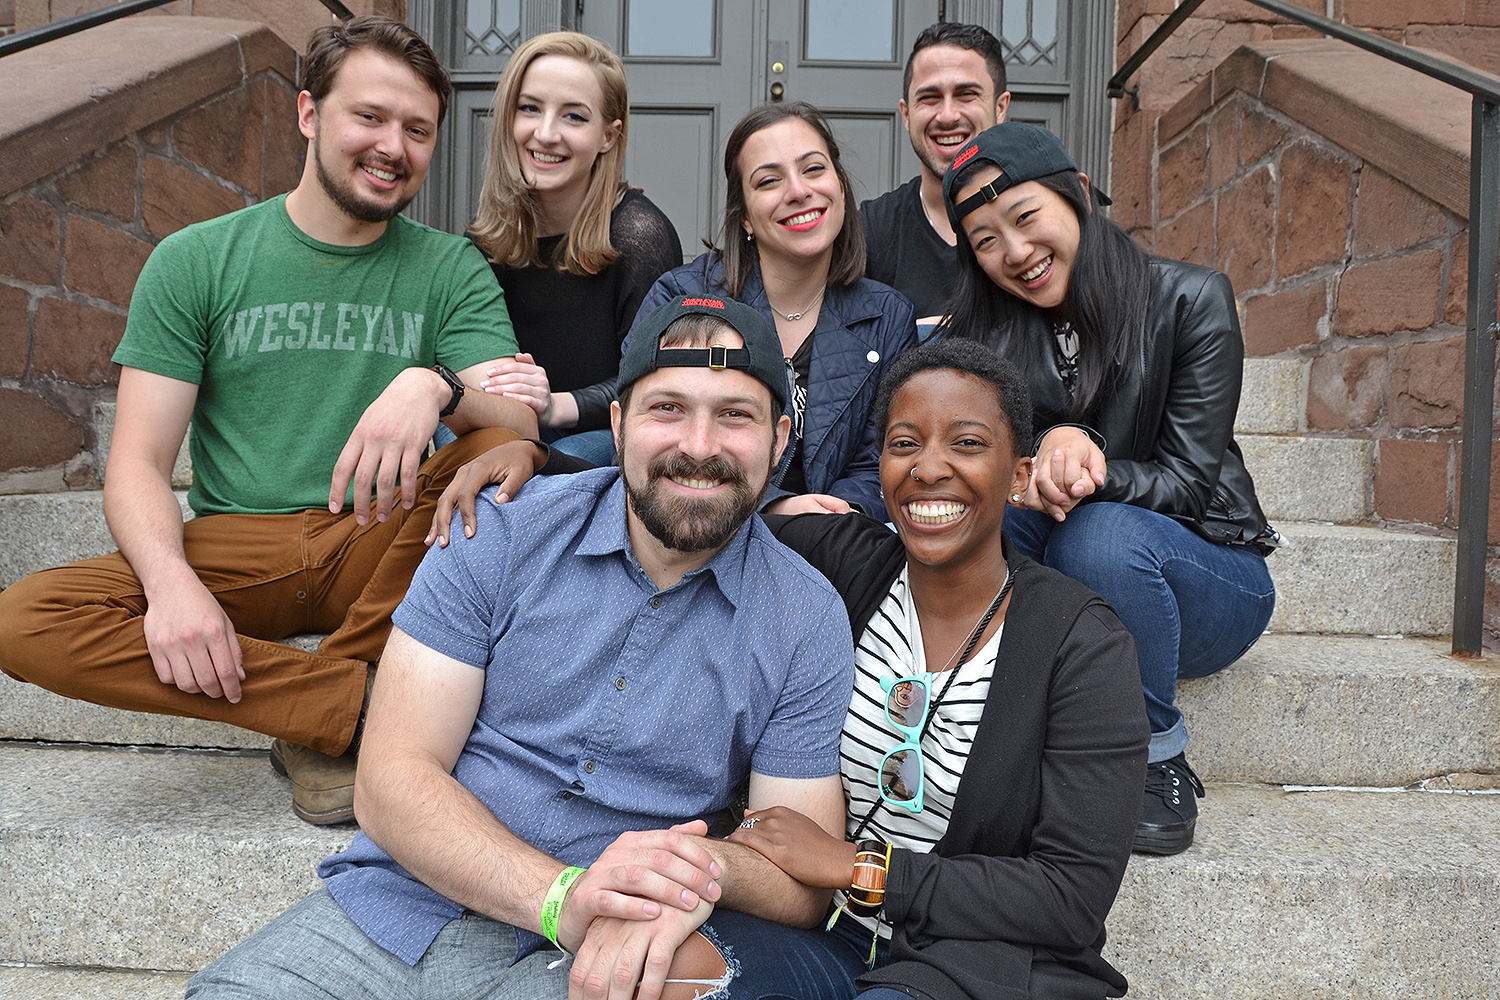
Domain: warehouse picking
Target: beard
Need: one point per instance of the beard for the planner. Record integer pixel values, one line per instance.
(683, 523)
(348, 199)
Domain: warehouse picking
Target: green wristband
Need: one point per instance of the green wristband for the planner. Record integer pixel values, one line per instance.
(552, 905)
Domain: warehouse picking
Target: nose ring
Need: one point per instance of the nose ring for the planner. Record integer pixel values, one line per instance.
(914, 474)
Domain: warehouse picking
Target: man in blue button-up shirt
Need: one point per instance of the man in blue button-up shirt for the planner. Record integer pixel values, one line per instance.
(610, 652)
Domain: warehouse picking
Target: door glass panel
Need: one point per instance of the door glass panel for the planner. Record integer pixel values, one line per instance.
(492, 27)
(851, 30)
(1030, 31)
(669, 28)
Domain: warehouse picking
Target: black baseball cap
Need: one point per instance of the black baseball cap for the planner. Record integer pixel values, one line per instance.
(1022, 151)
(761, 356)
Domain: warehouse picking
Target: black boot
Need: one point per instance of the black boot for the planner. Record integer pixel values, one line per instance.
(1168, 812)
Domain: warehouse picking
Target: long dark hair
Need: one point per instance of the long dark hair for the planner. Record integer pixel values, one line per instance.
(1108, 292)
(848, 263)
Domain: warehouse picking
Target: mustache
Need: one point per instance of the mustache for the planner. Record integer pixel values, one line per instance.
(679, 466)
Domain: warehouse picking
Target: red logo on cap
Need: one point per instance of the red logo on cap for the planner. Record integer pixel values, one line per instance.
(711, 303)
(964, 157)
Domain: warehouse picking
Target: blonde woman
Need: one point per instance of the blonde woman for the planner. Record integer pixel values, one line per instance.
(574, 247)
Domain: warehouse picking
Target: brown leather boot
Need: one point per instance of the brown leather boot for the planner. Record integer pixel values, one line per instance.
(322, 786)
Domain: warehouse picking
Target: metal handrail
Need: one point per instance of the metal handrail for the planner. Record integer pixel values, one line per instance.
(1484, 283)
(78, 22)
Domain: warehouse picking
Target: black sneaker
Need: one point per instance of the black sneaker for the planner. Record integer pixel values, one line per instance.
(1168, 812)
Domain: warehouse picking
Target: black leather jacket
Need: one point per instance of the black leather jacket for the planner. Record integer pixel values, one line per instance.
(1167, 429)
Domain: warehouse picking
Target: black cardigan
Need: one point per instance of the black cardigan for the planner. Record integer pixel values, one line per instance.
(1012, 901)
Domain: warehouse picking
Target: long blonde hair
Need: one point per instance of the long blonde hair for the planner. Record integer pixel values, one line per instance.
(506, 226)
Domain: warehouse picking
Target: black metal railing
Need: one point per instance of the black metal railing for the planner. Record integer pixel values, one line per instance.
(70, 25)
(1484, 277)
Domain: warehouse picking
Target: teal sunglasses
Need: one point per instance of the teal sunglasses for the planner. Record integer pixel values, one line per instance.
(907, 700)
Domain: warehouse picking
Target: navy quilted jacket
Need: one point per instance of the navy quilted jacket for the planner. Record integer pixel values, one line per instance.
(861, 330)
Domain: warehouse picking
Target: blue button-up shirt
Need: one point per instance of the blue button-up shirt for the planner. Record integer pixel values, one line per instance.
(610, 705)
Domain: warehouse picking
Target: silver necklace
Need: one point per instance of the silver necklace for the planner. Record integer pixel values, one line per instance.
(793, 317)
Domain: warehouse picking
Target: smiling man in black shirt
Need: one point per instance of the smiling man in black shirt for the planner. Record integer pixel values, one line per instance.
(954, 89)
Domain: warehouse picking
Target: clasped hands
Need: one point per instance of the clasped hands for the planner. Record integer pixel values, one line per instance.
(1068, 467)
(626, 916)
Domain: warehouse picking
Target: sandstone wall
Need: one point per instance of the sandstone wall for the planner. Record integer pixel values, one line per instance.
(126, 133)
(1341, 217)
(291, 20)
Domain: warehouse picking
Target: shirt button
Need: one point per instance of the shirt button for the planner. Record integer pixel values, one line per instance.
(588, 768)
(872, 357)
(619, 684)
(656, 602)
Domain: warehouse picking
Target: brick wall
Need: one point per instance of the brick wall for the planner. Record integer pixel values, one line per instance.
(291, 20)
(73, 241)
(1280, 167)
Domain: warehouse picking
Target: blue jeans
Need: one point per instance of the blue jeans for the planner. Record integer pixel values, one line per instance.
(314, 951)
(771, 962)
(1157, 574)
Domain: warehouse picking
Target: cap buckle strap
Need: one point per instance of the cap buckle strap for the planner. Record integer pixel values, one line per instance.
(718, 357)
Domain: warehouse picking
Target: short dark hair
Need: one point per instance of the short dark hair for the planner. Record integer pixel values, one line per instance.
(961, 36)
(330, 45)
(967, 357)
(848, 263)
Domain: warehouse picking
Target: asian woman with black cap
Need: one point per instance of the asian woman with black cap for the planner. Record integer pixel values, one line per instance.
(1134, 364)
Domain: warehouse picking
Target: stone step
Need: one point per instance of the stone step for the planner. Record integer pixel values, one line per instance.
(42, 530)
(125, 861)
(28, 712)
(1270, 397)
(1309, 479)
(33, 982)
(1318, 896)
(134, 860)
(1346, 580)
(1344, 710)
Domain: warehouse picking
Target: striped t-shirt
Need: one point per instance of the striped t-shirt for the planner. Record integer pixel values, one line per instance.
(891, 646)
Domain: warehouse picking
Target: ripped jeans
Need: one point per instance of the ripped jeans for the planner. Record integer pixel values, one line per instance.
(767, 961)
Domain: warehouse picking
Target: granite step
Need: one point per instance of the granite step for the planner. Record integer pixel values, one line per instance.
(42, 530)
(1350, 580)
(1332, 895)
(1344, 710)
(40, 982)
(1303, 709)
(123, 861)
(1270, 397)
(146, 860)
(1309, 479)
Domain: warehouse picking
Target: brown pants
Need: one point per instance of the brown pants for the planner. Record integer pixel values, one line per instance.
(79, 630)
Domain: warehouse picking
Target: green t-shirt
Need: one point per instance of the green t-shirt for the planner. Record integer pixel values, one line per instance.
(289, 340)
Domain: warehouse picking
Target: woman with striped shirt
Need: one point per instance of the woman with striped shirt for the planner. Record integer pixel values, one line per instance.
(994, 747)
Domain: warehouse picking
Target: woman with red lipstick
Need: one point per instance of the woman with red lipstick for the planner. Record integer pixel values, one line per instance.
(1134, 364)
(574, 247)
(793, 248)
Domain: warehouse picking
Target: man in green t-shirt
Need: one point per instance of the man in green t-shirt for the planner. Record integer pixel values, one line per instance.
(314, 342)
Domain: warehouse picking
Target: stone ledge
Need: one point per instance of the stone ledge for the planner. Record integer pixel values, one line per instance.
(65, 983)
(1344, 710)
(1345, 94)
(1309, 479)
(88, 90)
(1347, 580)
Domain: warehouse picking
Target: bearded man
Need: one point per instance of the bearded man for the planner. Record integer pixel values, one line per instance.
(569, 694)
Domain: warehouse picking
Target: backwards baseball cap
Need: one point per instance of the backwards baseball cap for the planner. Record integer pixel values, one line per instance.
(761, 356)
(1022, 151)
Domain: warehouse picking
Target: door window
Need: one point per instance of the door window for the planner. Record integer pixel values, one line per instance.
(679, 28)
(851, 31)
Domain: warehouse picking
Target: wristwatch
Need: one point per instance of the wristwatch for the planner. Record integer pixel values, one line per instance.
(455, 383)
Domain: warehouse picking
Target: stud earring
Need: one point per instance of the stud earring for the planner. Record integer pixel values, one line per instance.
(1015, 498)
